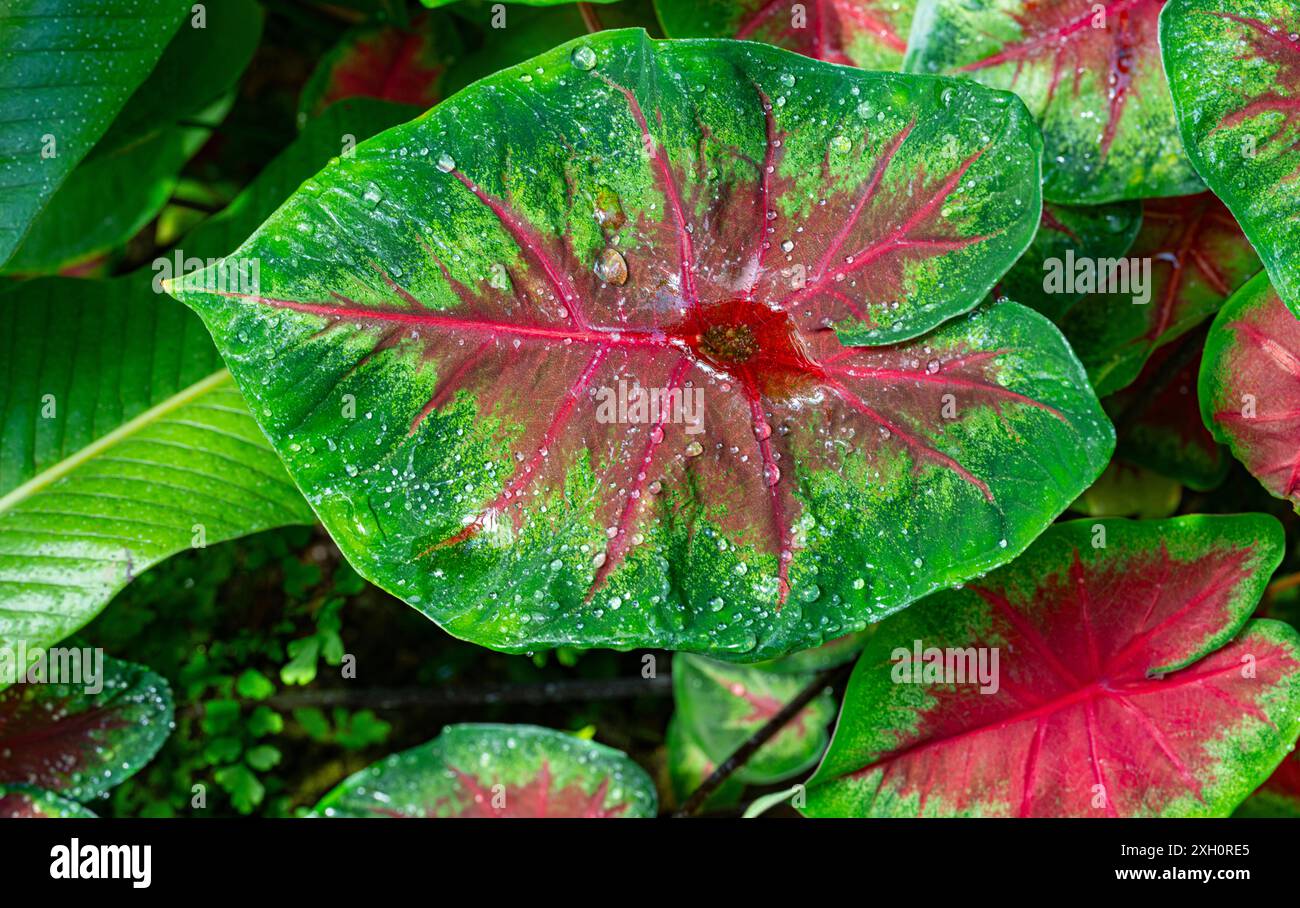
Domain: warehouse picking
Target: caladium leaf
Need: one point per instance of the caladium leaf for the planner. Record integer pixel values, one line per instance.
(1158, 418)
(1091, 73)
(29, 802)
(497, 771)
(1125, 683)
(1068, 234)
(388, 62)
(1279, 796)
(63, 83)
(819, 658)
(1234, 70)
(1250, 398)
(720, 706)
(871, 34)
(447, 380)
(1188, 258)
(81, 739)
(1129, 490)
(688, 766)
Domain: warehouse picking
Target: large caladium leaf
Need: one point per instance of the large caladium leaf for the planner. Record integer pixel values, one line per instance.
(871, 34)
(449, 327)
(1250, 396)
(388, 62)
(27, 802)
(1158, 418)
(720, 706)
(1188, 258)
(125, 439)
(1125, 683)
(1091, 73)
(1068, 234)
(497, 771)
(81, 739)
(1234, 70)
(63, 83)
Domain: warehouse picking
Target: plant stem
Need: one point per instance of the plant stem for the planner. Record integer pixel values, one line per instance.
(829, 677)
(478, 695)
(590, 18)
(1281, 585)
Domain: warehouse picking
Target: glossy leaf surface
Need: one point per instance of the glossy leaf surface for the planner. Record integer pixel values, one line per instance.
(1090, 72)
(1126, 683)
(497, 771)
(81, 739)
(1234, 69)
(449, 328)
(26, 802)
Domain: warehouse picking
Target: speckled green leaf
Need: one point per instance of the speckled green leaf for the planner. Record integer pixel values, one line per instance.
(1188, 258)
(447, 321)
(1091, 73)
(1250, 386)
(1279, 796)
(80, 739)
(828, 655)
(871, 34)
(720, 706)
(1128, 681)
(688, 766)
(1067, 234)
(1234, 69)
(497, 771)
(27, 802)
(67, 68)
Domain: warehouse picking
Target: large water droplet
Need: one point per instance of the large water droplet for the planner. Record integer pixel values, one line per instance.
(611, 267)
(583, 58)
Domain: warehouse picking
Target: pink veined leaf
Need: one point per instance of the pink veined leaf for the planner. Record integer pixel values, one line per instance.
(1105, 673)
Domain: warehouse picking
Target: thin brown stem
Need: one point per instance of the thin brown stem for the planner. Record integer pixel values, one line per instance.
(590, 18)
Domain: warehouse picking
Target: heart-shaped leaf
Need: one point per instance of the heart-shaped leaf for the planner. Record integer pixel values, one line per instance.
(1124, 683)
(497, 771)
(1250, 386)
(84, 735)
(1158, 418)
(720, 706)
(1068, 234)
(1234, 70)
(1188, 258)
(29, 802)
(1091, 73)
(871, 34)
(63, 83)
(451, 324)
(392, 63)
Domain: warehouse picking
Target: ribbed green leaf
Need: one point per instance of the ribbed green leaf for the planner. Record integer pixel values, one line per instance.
(67, 67)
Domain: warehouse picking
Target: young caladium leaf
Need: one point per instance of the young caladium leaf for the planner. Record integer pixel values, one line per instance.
(871, 34)
(1279, 796)
(388, 62)
(27, 802)
(1158, 418)
(1106, 672)
(1129, 490)
(720, 706)
(1188, 258)
(1068, 234)
(84, 735)
(1250, 386)
(497, 771)
(1234, 70)
(1091, 73)
(688, 766)
(576, 383)
(63, 83)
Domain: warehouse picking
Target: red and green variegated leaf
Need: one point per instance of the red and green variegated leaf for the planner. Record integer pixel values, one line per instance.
(720, 706)
(1250, 386)
(1066, 234)
(1158, 418)
(871, 34)
(1279, 796)
(388, 62)
(79, 739)
(1128, 490)
(1091, 73)
(26, 802)
(1234, 70)
(1125, 683)
(497, 771)
(819, 658)
(448, 323)
(688, 766)
(1188, 258)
